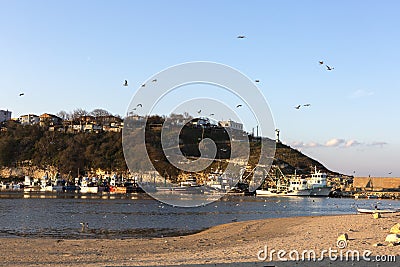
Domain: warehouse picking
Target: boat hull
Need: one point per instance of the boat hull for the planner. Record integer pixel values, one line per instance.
(321, 191)
(376, 211)
(89, 189)
(267, 193)
(299, 193)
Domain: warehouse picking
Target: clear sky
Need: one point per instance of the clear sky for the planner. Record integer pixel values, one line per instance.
(76, 54)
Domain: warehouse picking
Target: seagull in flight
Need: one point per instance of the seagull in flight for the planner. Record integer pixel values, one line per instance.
(257, 81)
(297, 107)
(329, 68)
(139, 105)
(21, 94)
(126, 83)
(321, 62)
(307, 105)
(154, 80)
(241, 36)
(143, 85)
(199, 111)
(238, 106)
(212, 114)
(390, 172)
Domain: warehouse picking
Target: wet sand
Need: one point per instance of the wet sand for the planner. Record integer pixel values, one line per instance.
(235, 244)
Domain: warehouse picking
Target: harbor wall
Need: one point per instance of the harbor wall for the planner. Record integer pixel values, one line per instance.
(376, 183)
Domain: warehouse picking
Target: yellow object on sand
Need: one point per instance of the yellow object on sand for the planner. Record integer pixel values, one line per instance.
(395, 229)
(376, 215)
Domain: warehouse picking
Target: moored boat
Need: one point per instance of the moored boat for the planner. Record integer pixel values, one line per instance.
(298, 187)
(318, 184)
(370, 211)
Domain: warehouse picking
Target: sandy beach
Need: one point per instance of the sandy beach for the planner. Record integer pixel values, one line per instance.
(234, 244)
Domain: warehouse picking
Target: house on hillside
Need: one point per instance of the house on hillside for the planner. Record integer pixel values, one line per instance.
(5, 115)
(201, 122)
(231, 124)
(29, 119)
(46, 120)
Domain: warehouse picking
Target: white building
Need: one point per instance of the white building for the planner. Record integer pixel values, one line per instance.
(231, 124)
(29, 119)
(5, 115)
(200, 122)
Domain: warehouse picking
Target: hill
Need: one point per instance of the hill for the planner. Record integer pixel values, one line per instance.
(81, 153)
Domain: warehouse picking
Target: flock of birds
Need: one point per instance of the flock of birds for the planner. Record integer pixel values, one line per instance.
(329, 68)
(125, 83)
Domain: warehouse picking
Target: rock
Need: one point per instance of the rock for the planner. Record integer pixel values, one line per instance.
(376, 215)
(395, 229)
(393, 238)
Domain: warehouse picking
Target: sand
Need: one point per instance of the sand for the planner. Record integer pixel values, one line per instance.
(235, 244)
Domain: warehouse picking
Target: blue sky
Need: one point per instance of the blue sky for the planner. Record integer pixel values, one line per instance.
(75, 54)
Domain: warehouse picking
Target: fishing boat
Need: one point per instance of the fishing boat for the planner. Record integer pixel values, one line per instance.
(88, 185)
(189, 186)
(318, 184)
(293, 185)
(298, 187)
(370, 211)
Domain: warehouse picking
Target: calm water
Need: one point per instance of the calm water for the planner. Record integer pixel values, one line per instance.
(142, 217)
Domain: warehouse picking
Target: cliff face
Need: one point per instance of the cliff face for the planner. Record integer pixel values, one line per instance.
(19, 172)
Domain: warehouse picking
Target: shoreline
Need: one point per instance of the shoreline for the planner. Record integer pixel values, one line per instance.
(233, 243)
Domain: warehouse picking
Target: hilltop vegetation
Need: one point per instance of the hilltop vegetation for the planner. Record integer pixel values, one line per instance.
(83, 152)
(67, 152)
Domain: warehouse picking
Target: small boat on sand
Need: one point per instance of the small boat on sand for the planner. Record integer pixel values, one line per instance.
(370, 211)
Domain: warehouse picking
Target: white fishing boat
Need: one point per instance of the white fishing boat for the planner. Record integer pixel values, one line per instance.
(292, 186)
(268, 192)
(370, 211)
(298, 187)
(318, 184)
(88, 186)
(189, 186)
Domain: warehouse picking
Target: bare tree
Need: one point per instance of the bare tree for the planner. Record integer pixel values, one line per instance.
(77, 113)
(64, 115)
(98, 112)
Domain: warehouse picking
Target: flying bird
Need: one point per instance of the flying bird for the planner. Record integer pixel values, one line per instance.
(139, 105)
(390, 172)
(155, 80)
(321, 62)
(297, 107)
(21, 94)
(143, 85)
(329, 68)
(257, 81)
(199, 111)
(212, 114)
(241, 36)
(307, 105)
(126, 83)
(238, 106)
